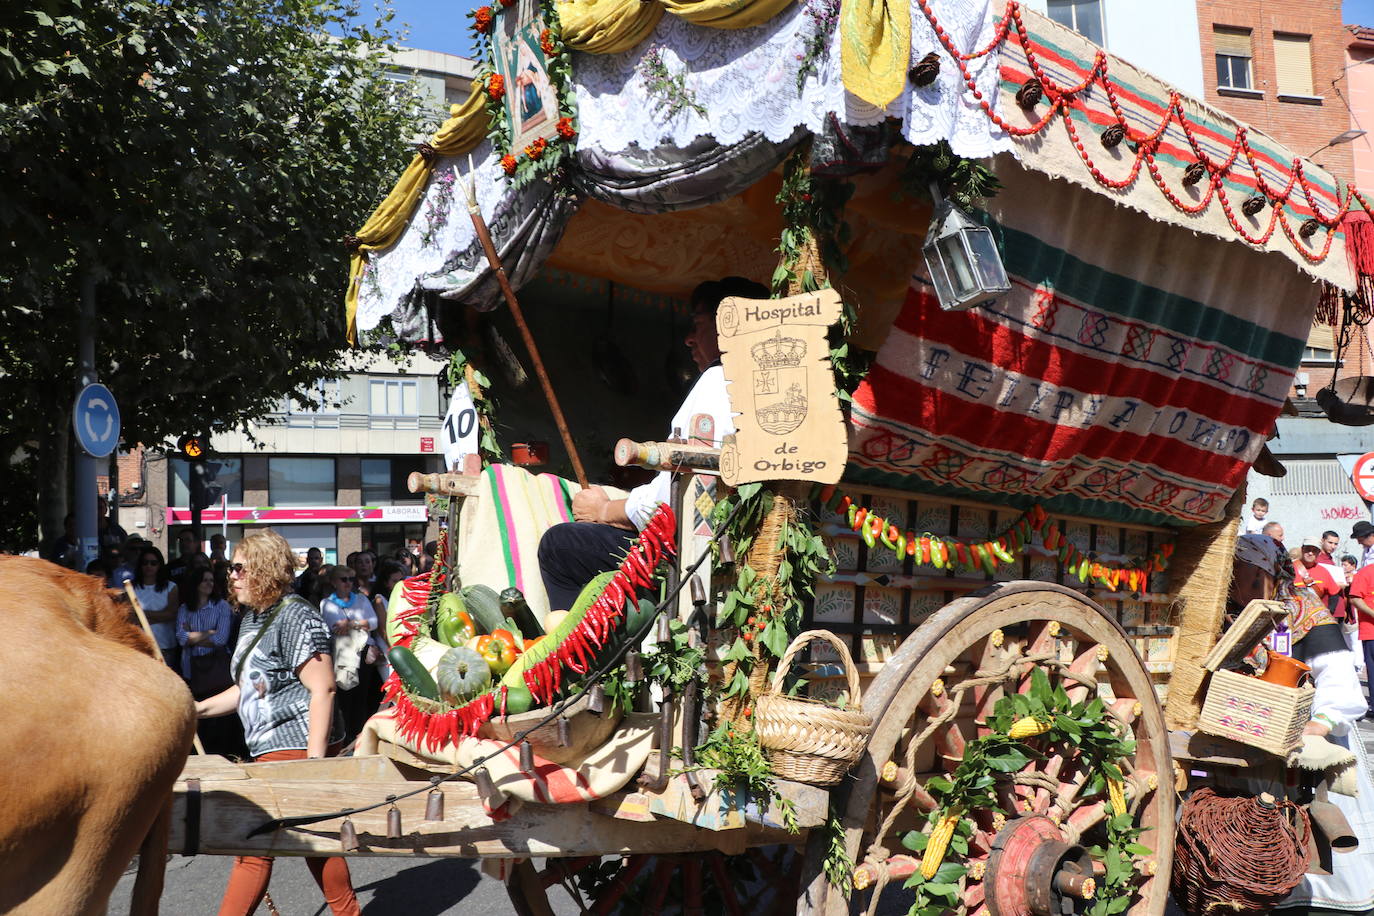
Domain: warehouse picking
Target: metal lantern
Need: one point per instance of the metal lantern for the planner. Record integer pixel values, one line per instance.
(962, 259)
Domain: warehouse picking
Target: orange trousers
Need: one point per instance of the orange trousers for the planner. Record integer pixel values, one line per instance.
(251, 874)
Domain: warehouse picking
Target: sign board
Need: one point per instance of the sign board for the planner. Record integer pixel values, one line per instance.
(1363, 476)
(264, 515)
(95, 419)
(460, 432)
(426, 443)
(777, 368)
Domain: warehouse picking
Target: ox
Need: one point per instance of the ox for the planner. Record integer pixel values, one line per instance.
(94, 730)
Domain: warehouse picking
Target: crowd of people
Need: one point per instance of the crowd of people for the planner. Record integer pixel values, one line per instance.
(1343, 582)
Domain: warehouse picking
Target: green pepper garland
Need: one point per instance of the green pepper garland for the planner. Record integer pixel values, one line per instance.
(987, 554)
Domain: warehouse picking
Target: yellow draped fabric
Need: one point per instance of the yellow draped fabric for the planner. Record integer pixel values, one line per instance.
(461, 132)
(876, 48)
(726, 14)
(595, 27)
(607, 26)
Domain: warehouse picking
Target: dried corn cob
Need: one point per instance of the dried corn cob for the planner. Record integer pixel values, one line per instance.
(1028, 727)
(939, 842)
(1118, 796)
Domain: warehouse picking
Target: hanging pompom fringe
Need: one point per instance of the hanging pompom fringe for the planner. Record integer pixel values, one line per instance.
(1359, 250)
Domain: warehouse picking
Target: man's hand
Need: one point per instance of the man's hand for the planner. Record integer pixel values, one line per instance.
(587, 504)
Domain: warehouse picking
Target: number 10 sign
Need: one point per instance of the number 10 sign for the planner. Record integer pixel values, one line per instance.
(460, 428)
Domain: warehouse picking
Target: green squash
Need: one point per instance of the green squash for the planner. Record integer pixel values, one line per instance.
(462, 675)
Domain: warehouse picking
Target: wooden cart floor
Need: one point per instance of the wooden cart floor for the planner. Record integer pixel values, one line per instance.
(234, 798)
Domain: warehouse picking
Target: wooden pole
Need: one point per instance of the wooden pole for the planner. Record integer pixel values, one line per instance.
(148, 628)
(484, 236)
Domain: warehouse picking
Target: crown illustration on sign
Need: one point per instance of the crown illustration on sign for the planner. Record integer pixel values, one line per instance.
(779, 352)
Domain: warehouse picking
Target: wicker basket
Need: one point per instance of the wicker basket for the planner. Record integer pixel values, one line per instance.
(808, 740)
(1255, 712)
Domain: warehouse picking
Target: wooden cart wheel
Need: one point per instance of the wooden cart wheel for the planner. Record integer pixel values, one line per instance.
(1006, 630)
(759, 882)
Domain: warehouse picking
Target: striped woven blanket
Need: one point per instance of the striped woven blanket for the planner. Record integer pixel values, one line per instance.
(1132, 374)
(500, 530)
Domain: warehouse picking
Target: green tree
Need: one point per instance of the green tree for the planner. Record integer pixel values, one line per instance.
(196, 164)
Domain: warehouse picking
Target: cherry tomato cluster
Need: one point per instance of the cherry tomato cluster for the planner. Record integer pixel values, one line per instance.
(956, 554)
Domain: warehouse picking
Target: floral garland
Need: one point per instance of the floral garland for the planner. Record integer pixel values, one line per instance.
(670, 89)
(965, 554)
(487, 446)
(438, 209)
(825, 16)
(435, 724)
(542, 157)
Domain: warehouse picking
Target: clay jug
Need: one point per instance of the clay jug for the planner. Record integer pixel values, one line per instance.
(1284, 670)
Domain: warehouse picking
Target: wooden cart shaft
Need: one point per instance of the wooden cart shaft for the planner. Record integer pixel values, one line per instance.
(235, 798)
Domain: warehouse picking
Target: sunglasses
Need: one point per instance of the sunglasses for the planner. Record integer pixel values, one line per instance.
(238, 569)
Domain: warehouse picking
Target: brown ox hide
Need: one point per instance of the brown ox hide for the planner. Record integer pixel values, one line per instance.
(94, 729)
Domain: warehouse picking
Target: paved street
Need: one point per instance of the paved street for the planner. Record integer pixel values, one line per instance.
(414, 887)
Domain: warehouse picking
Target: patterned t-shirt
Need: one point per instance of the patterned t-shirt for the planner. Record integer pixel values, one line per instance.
(273, 703)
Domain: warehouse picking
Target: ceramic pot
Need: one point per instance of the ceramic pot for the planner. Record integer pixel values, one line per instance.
(1284, 670)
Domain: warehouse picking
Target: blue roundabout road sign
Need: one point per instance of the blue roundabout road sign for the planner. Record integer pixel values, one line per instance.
(95, 418)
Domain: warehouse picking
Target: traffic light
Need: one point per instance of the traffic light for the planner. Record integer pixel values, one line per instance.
(193, 448)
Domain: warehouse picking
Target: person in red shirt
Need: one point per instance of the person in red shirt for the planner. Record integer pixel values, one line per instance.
(1309, 569)
(1362, 600)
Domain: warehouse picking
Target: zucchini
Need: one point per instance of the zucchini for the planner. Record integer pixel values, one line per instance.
(635, 615)
(416, 680)
(546, 646)
(485, 608)
(518, 699)
(394, 605)
(513, 606)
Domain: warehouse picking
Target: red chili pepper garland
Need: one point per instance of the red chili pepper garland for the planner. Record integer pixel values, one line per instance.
(576, 653)
(1061, 103)
(987, 555)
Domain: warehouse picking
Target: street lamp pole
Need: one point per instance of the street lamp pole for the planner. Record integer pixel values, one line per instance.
(87, 466)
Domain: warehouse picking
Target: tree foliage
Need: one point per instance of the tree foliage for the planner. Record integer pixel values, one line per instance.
(199, 161)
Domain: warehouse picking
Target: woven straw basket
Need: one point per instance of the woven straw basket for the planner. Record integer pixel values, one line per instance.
(808, 740)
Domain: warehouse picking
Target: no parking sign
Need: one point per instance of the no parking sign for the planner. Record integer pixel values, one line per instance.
(1363, 476)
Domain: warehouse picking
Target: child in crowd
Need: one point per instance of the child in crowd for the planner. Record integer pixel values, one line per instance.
(1259, 509)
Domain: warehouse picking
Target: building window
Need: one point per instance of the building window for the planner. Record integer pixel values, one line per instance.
(385, 482)
(395, 398)
(1293, 64)
(1083, 16)
(223, 476)
(1233, 58)
(300, 481)
(322, 397)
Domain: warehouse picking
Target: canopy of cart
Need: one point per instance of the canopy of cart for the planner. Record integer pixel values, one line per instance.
(1144, 364)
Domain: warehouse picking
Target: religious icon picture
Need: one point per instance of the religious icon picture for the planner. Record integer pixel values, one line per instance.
(531, 104)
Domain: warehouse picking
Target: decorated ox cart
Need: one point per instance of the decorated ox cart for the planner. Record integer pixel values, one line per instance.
(1005, 587)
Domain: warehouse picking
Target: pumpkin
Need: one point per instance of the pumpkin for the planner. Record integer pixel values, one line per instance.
(462, 675)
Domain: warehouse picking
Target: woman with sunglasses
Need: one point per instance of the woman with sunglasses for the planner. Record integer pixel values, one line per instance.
(284, 693)
(160, 600)
(352, 620)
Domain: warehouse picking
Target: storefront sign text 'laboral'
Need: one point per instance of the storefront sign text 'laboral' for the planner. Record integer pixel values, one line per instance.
(777, 366)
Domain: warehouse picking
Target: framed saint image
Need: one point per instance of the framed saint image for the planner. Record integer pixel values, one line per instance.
(531, 104)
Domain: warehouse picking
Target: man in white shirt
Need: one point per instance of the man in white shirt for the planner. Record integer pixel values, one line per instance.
(571, 554)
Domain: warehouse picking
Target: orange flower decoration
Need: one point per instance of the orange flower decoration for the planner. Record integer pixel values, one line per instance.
(546, 43)
(536, 149)
(566, 129)
(481, 19)
(509, 162)
(496, 86)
